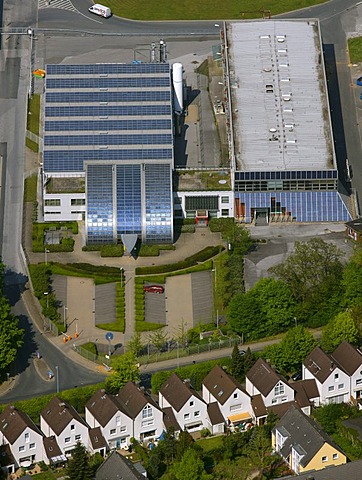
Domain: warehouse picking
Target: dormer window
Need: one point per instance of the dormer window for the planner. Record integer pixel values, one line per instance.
(220, 393)
(279, 389)
(27, 437)
(147, 412)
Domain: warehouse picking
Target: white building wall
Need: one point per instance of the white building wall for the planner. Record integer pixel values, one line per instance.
(356, 382)
(336, 387)
(65, 211)
(274, 399)
(229, 407)
(196, 412)
(117, 432)
(69, 437)
(142, 425)
(28, 445)
(226, 202)
(250, 388)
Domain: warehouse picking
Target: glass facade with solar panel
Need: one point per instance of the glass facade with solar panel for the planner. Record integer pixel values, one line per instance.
(129, 199)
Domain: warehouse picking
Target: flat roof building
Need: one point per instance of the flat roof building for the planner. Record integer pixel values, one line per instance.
(280, 133)
(108, 149)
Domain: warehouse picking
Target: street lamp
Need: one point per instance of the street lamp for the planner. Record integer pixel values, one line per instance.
(46, 294)
(65, 315)
(214, 270)
(121, 269)
(57, 377)
(46, 256)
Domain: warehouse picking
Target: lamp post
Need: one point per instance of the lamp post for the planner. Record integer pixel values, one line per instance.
(65, 315)
(214, 270)
(46, 255)
(46, 294)
(57, 377)
(178, 357)
(121, 269)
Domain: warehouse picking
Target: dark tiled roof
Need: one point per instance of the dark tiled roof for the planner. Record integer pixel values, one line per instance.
(133, 399)
(221, 385)
(117, 467)
(96, 438)
(51, 447)
(348, 357)
(264, 377)
(320, 364)
(104, 406)
(177, 392)
(13, 422)
(215, 414)
(169, 419)
(305, 390)
(6, 457)
(58, 414)
(355, 224)
(348, 471)
(304, 433)
(257, 404)
(281, 409)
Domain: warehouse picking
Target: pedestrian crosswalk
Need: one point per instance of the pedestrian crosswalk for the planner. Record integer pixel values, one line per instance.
(62, 4)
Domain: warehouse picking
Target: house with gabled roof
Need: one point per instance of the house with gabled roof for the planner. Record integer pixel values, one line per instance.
(24, 438)
(263, 380)
(350, 359)
(232, 399)
(332, 381)
(104, 410)
(189, 409)
(146, 415)
(118, 467)
(97, 443)
(303, 444)
(60, 419)
(53, 453)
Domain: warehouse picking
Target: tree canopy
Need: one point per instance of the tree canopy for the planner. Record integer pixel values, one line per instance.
(78, 464)
(125, 369)
(342, 327)
(11, 336)
(352, 280)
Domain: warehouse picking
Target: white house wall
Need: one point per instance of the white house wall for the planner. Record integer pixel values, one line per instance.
(30, 446)
(179, 202)
(229, 407)
(65, 211)
(143, 425)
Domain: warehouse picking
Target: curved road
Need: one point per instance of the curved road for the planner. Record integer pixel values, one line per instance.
(70, 374)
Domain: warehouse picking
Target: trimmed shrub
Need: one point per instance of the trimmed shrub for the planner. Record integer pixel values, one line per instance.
(112, 251)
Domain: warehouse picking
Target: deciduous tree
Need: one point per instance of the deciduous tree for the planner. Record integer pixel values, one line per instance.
(352, 280)
(11, 336)
(125, 369)
(340, 328)
(190, 467)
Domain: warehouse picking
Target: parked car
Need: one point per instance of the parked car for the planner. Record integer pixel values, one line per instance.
(297, 376)
(153, 289)
(242, 352)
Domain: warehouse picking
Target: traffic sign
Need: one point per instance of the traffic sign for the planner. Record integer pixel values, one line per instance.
(109, 336)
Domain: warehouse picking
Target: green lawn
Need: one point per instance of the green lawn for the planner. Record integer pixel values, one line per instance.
(34, 147)
(355, 49)
(48, 475)
(203, 9)
(208, 444)
(33, 114)
(30, 188)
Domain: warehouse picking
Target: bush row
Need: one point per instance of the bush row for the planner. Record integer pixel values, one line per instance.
(201, 256)
(99, 270)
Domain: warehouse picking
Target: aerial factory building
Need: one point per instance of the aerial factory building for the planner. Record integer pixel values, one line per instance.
(279, 126)
(108, 150)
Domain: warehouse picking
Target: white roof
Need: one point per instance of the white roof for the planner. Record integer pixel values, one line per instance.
(280, 108)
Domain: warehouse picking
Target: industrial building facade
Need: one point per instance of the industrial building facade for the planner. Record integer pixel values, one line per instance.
(108, 150)
(279, 127)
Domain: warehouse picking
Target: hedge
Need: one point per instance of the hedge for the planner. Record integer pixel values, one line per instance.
(142, 326)
(112, 251)
(201, 256)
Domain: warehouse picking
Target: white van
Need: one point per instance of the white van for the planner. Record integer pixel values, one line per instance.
(100, 10)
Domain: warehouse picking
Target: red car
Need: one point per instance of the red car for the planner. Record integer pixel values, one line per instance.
(153, 288)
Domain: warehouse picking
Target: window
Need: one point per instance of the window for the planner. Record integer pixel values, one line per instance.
(336, 376)
(147, 423)
(67, 440)
(32, 445)
(274, 401)
(335, 456)
(340, 386)
(72, 427)
(186, 416)
(192, 403)
(196, 414)
(279, 388)
(358, 381)
(52, 202)
(224, 212)
(224, 199)
(233, 408)
(123, 428)
(236, 395)
(112, 431)
(78, 437)
(331, 388)
(118, 421)
(324, 459)
(21, 448)
(284, 399)
(147, 412)
(27, 437)
(77, 201)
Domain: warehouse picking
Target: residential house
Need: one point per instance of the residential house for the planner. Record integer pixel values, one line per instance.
(60, 419)
(303, 444)
(97, 443)
(117, 466)
(23, 437)
(54, 455)
(189, 409)
(104, 410)
(333, 382)
(347, 471)
(232, 400)
(146, 415)
(354, 229)
(350, 359)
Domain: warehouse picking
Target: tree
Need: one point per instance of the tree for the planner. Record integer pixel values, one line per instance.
(168, 446)
(135, 345)
(352, 280)
(125, 369)
(244, 315)
(290, 353)
(11, 336)
(342, 327)
(190, 467)
(185, 441)
(260, 448)
(78, 465)
(158, 339)
(237, 364)
(235, 274)
(249, 360)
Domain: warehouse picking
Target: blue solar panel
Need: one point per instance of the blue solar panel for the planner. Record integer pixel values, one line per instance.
(306, 206)
(107, 68)
(129, 199)
(136, 139)
(287, 175)
(96, 97)
(107, 125)
(109, 110)
(106, 82)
